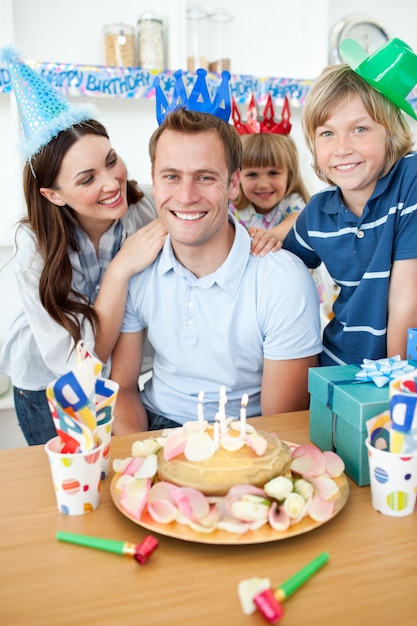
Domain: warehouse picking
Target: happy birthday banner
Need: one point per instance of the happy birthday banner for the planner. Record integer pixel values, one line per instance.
(120, 82)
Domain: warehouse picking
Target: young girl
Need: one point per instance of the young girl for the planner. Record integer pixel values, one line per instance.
(364, 226)
(272, 192)
(74, 255)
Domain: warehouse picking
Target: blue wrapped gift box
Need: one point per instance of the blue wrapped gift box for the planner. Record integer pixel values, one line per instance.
(412, 344)
(339, 410)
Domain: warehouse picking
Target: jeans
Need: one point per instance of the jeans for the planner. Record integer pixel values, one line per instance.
(34, 416)
(159, 422)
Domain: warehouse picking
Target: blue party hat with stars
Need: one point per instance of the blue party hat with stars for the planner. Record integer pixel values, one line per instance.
(199, 98)
(44, 112)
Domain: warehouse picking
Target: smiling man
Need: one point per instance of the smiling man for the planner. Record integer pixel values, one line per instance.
(215, 314)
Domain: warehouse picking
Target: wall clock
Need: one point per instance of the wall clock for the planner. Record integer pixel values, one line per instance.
(367, 31)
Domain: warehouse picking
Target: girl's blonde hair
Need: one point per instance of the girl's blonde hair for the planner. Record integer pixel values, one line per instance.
(339, 82)
(272, 150)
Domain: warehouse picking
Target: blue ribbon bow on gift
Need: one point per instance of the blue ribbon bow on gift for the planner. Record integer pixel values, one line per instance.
(382, 371)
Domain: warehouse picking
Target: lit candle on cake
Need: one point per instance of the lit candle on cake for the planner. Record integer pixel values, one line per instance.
(200, 413)
(244, 403)
(216, 437)
(222, 410)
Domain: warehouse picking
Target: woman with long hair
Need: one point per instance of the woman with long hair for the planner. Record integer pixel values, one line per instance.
(88, 229)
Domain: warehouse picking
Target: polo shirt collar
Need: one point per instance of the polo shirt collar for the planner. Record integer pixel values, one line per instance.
(382, 183)
(228, 275)
(332, 204)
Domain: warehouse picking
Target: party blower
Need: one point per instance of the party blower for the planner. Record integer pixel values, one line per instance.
(140, 551)
(256, 593)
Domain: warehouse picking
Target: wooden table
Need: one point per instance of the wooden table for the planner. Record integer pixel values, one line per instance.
(371, 578)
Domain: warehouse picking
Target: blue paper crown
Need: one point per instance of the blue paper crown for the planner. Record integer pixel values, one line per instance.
(199, 98)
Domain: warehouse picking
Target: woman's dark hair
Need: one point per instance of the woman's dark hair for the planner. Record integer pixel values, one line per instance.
(54, 229)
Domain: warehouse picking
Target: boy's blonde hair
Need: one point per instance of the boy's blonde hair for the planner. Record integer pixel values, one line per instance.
(339, 82)
(276, 151)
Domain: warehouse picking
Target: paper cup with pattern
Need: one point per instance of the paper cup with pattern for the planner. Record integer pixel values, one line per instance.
(76, 477)
(393, 480)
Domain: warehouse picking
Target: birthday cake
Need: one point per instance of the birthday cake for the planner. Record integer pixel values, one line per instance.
(251, 459)
(225, 475)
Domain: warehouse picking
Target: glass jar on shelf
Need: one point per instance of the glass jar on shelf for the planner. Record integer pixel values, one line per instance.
(119, 45)
(197, 24)
(220, 30)
(151, 49)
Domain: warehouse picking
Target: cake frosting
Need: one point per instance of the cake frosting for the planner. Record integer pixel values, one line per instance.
(229, 465)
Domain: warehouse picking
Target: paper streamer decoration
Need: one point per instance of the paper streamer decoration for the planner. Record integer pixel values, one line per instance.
(395, 430)
(105, 399)
(72, 401)
(403, 410)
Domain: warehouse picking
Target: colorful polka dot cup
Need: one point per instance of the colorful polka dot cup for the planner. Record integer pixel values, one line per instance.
(76, 477)
(104, 433)
(393, 480)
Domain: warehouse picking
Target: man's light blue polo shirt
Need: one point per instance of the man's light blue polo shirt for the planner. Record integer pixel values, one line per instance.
(216, 330)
